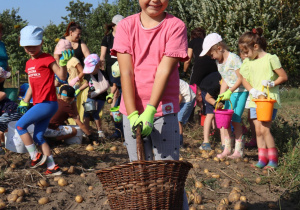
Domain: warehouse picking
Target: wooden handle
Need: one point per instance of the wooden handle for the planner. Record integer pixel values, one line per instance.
(139, 144)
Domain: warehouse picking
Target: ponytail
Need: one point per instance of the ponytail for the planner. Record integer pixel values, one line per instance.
(72, 26)
(250, 38)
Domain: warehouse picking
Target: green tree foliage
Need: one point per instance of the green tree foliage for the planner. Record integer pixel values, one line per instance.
(12, 24)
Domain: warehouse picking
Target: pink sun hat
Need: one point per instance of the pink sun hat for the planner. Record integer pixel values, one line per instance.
(62, 45)
(90, 62)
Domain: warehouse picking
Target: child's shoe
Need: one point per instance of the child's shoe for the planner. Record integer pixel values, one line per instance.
(101, 134)
(40, 160)
(251, 143)
(227, 149)
(262, 158)
(54, 172)
(239, 149)
(205, 146)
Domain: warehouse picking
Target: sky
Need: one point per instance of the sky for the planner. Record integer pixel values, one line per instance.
(41, 12)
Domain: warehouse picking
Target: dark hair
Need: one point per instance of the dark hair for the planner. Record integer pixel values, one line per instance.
(250, 38)
(72, 27)
(198, 33)
(108, 28)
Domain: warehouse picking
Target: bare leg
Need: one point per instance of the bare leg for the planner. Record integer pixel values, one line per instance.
(207, 127)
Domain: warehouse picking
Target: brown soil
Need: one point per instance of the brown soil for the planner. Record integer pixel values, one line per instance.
(240, 174)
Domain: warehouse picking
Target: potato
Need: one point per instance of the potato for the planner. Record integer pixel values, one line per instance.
(222, 159)
(243, 198)
(43, 183)
(236, 189)
(71, 170)
(233, 197)
(20, 199)
(240, 205)
(49, 190)
(13, 165)
(43, 200)
(216, 159)
(197, 198)
(2, 190)
(192, 208)
(91, 188)
(222, 207)
(226, 183)
(62, 182)
(113, 148)
(96, 143)
(12, 198)
(181, 158)
(206, 171)
(109, 101)
(79, 199)
(20, 192)
(198, 184)
(262, 97)
(227, 163)
(83, 175)
(196, 166)
(258, 180)
(89, 148)
(216, 176)
(26, 191)
(2, 205)
(211, 153)
(246, 160)
(265, 172)
(224, 201)
(56, 178)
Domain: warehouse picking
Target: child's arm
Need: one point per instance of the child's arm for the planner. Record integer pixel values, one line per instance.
(238, 81)
(223, 87)
(210, 99)
(188, 62)
(2, 95)
(165, 68)
(102, 57)
(60, 71)
(127, 81)
(180, 98)
(282, 77)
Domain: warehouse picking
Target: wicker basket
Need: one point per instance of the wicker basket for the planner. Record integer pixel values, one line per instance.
(145, 184)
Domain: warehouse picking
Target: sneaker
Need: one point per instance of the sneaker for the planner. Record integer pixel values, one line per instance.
(101, 134)
(40, 160)
(205, 146)
(54, 172)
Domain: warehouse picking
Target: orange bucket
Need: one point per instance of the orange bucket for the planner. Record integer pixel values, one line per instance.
(264, 108)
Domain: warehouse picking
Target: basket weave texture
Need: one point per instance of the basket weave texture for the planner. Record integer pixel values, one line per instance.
(145, 184)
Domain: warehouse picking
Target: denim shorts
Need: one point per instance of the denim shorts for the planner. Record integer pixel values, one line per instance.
(254, 116)
(207, 107)
(185, 111)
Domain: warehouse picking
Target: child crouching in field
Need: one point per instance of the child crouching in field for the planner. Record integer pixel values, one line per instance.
(261, 69)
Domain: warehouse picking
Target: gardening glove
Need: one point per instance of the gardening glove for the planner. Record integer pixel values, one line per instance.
(109, 96)
(95, 93)
(23, 107)
(267, 83)
(146, 120)
(66, 56)
(73, 81)
(255, 93)
(226, 95)
(77, 92)
(132, 118)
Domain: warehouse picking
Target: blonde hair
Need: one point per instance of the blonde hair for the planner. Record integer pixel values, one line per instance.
(221, 44)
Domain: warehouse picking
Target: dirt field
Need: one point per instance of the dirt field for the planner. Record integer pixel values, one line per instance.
(15, 174)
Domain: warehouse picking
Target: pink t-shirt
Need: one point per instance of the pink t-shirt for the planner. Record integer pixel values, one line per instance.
(147, 47)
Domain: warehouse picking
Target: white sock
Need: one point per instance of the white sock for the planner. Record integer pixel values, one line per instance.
(50, 162)
(32, 151)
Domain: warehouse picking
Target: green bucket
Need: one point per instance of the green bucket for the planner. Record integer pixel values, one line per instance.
(11, 93)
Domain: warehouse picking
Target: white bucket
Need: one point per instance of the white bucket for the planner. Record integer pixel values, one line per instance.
(13, 142)
(75, 139)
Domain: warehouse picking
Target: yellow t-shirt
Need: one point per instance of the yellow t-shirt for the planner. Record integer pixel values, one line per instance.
(254, 71)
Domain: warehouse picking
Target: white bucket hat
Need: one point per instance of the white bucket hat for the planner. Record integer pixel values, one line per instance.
(209, 41)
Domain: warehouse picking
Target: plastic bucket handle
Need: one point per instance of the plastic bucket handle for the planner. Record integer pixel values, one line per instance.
(224, 104)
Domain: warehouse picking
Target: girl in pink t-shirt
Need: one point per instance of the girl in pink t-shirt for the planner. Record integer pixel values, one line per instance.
(149, 46)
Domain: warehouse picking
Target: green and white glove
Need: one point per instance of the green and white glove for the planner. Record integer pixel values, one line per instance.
(132, 118)
(66, 56)
(225, 96)
(23, 107)
(146, 120)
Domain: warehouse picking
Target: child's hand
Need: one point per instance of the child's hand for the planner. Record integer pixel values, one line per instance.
(267, 83)
(77, 92)
(66, 56)
(73, 81)
(255, 93)
(225, 96)
(146, 121)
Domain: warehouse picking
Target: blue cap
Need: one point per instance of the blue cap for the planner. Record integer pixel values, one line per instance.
(31, 36)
